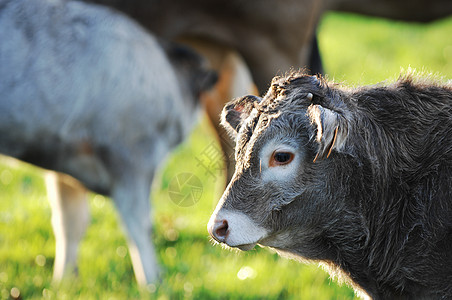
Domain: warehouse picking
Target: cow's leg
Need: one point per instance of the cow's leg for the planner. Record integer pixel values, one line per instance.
(315, 60)
(70, 218)
(234, 80)
(131, 197)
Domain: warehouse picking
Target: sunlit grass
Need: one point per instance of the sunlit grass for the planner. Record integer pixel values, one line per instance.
(355, 50)
(360, 50)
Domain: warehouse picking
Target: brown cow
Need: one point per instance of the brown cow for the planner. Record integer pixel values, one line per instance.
(270, 35)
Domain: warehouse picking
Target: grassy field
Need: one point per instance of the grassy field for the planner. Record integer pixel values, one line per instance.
(355, 50)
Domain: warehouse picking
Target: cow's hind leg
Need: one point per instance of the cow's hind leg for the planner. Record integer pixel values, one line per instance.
(70, 218)
(234, 81)
(131, 197)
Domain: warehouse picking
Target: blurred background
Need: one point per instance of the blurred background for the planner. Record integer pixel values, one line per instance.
(355, 50)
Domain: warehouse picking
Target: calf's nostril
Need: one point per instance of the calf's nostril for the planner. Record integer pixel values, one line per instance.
(221, 230)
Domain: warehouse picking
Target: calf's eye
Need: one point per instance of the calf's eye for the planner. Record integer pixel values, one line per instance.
(280, 158)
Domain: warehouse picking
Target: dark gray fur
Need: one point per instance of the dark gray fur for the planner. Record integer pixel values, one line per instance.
(86, 91)
(378, 210)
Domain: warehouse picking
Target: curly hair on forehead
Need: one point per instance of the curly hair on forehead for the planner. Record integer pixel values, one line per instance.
(292, 89)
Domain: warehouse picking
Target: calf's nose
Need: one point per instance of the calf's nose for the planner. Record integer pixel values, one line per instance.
(219, 230)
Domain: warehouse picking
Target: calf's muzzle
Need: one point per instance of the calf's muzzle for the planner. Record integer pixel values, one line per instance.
(219, 230)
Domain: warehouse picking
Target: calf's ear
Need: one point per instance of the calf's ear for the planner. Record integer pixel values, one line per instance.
(236, 111)
(332, 130)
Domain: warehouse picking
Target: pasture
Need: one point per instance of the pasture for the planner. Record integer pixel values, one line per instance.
(355, 50)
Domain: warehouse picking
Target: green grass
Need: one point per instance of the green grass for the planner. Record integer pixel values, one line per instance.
(355, 50)
(359, 50)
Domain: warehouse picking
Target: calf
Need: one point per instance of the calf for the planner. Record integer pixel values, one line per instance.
(359, 179)
(87, 92)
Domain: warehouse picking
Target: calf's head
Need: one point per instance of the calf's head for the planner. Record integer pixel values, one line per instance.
(278, 195)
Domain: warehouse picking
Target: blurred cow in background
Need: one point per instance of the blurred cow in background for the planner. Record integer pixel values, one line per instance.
(265, 36)
(87, 92)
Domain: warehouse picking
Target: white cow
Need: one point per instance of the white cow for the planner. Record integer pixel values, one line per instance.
(87, 92)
